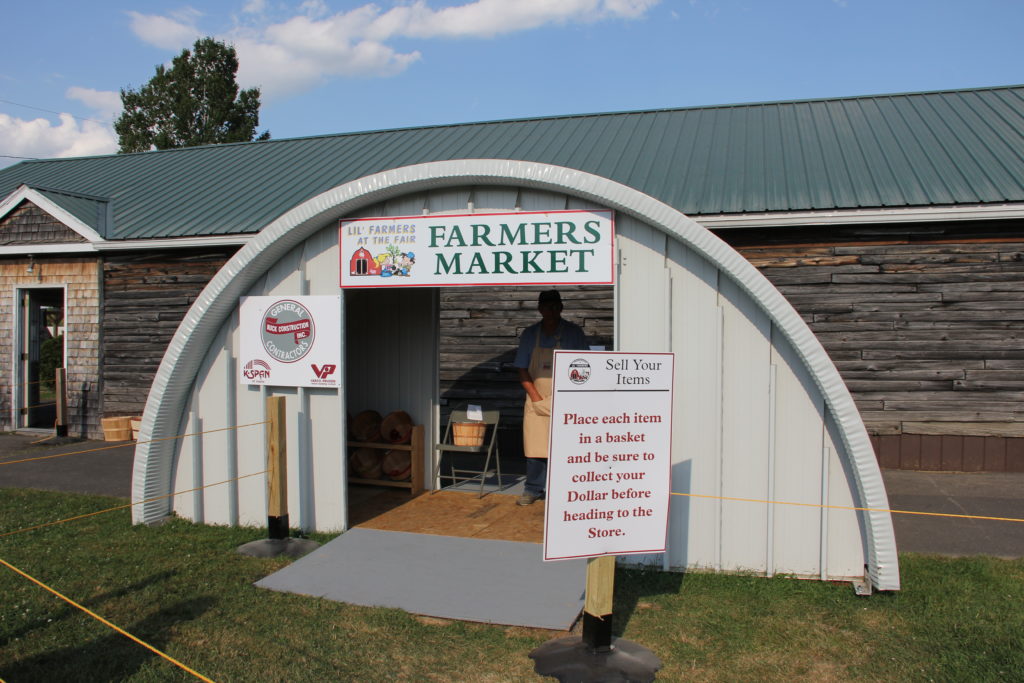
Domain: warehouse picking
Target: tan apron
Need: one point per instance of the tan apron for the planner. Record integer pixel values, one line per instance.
(536, 428)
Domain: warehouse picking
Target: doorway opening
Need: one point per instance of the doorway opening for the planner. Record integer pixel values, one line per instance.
(41, 347)
(434, 350)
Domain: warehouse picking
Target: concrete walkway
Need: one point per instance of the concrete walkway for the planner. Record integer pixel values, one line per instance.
(108, 472)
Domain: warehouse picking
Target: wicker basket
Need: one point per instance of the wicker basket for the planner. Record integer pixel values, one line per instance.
(366, 426)
(396, 427)
(468, 433)
(365, 463)
(117, 428)
(397, 465)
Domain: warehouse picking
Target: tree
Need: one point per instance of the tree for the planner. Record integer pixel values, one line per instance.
(194, 102)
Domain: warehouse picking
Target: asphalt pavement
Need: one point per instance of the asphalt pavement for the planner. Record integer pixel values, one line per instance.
(106, 469)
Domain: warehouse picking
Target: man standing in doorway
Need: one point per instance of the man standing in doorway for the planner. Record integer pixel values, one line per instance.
(534, 360)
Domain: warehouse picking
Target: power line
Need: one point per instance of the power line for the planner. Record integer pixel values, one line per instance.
(50, 111)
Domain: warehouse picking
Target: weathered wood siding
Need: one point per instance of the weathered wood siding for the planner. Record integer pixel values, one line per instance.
(145, 298)
(480, 329)
(926, 325)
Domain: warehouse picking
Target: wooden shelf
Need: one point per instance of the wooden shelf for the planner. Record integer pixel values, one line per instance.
(415, 447)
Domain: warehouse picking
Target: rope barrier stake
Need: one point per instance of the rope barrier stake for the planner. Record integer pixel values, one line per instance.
(277, 472)
(60, 385)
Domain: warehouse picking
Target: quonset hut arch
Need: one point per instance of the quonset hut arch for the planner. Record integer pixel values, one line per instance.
(691, 257)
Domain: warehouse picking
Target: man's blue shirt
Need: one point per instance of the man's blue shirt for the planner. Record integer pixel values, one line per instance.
(567, 336)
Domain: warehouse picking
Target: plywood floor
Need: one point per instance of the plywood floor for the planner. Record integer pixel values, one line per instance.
(448, 513)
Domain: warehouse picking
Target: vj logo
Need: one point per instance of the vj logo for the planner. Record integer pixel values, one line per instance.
(324, 371)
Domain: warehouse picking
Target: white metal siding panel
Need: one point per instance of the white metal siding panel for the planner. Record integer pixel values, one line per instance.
(320, 253)
(326, 477)
(846, 552)
(204, 458)
(642, 319)
(539, 200)
(694, 522)
(448, 200)
(641, 322)
(252, 453)
(410, 205)
(487, 199)
(799, 430)
(746, 362)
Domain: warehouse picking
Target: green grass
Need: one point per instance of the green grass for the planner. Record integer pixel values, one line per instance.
(183, 589)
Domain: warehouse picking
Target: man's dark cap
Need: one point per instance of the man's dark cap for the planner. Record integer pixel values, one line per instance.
(549, 296)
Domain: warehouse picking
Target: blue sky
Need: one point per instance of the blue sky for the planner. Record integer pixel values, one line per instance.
(331, 66)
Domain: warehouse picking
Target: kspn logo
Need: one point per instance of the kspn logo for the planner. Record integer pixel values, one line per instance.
(256, 369)
(324, 371)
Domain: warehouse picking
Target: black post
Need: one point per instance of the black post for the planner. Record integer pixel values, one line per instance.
(597, 632)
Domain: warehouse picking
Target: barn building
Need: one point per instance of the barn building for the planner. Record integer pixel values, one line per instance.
(838, 278)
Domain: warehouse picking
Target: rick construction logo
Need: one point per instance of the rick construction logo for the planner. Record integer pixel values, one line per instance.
(579, 371)
(287, 331)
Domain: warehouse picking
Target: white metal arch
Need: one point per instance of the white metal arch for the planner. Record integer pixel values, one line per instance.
(170, 389)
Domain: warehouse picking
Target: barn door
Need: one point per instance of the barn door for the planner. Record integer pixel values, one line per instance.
(41, 352)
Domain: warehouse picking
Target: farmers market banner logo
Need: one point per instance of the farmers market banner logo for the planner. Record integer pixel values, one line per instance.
(521, 248)
(288, 331)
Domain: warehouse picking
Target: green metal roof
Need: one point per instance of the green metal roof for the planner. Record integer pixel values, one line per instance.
(963, 147)
(91, 211)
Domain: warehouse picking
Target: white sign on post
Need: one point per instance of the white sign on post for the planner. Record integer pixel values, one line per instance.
(609, 467)
(290, 341)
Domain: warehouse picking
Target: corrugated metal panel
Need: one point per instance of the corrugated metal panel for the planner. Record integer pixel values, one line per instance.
(917, 149)
(89, 210)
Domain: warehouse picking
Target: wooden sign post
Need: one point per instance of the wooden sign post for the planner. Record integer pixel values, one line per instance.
(279, 542)
(277, 469)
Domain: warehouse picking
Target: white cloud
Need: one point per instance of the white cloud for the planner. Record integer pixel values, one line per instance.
(169, 33)
(106, 103)
(41, 138)
(255, 7)
(70, 136)
(314, 46)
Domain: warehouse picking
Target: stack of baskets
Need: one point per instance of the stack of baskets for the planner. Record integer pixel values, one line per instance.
(375, 463)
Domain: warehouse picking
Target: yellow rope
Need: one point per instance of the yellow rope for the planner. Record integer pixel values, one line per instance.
(846, 507)
(103, 621)
(128, 505)
(130, 443)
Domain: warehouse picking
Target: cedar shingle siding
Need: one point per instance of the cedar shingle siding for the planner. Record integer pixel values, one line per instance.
(28, 224)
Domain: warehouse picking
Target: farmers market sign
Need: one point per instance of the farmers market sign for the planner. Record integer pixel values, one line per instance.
(521, 248)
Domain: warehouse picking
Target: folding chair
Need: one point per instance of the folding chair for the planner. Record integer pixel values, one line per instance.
(488, 448)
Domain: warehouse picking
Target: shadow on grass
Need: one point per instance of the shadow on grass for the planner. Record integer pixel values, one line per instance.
(632, 586)
(112, 657)
(92, 603)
